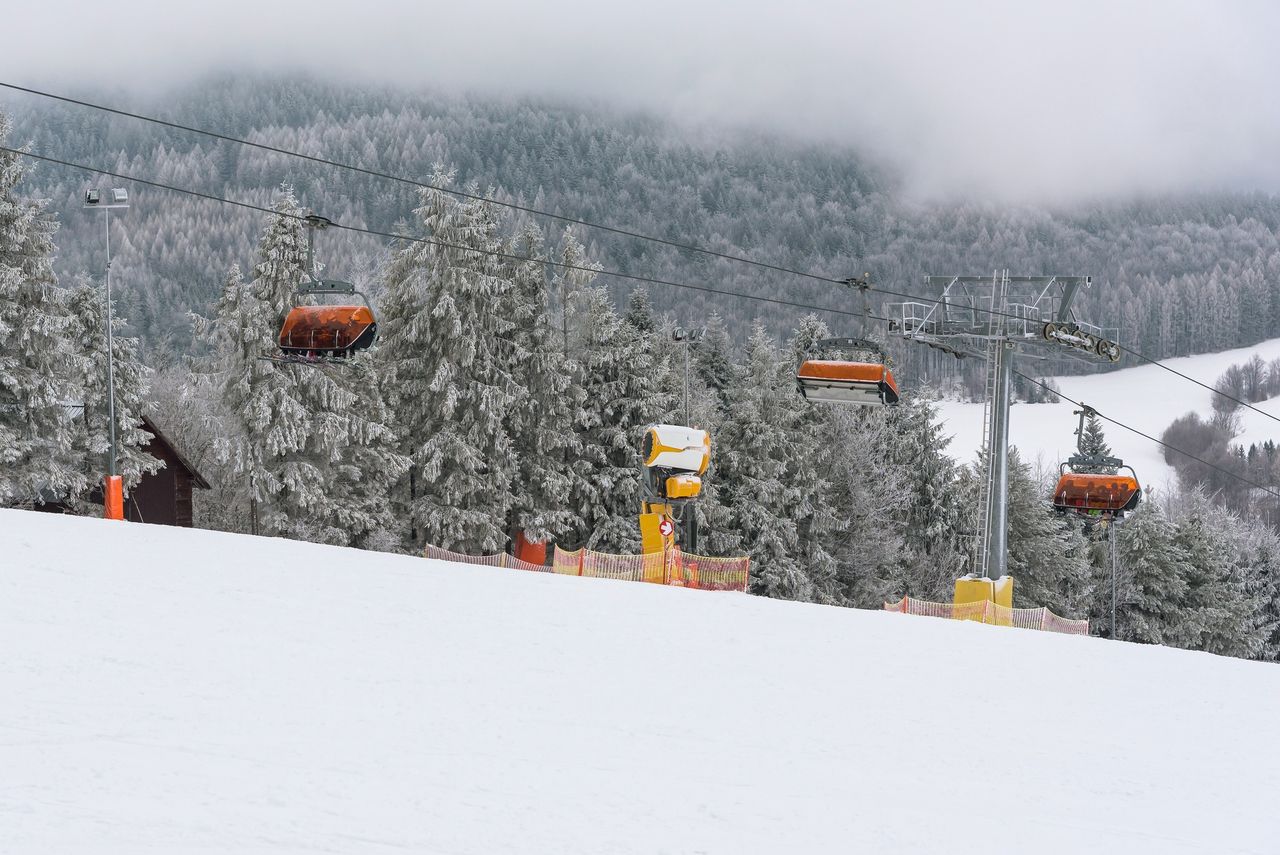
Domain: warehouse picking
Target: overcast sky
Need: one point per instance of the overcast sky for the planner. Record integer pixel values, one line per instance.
(1012, 99)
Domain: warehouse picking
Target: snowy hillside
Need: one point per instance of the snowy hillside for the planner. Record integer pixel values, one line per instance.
(176, 691)
(1145, 397)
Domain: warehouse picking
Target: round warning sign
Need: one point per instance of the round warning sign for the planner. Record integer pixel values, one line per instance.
(666, 527)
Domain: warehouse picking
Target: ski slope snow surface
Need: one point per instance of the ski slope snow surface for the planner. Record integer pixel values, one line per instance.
(167, 690)
(1145, 397)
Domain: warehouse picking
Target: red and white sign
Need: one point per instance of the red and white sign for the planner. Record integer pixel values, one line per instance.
(666, 527)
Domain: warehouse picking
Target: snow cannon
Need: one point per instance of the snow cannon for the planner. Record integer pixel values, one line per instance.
(673, 458)
(677, 449)
(680, 487)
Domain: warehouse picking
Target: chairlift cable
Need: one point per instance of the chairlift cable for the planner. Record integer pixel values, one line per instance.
(634, 277)
(526, 209)
(1148, 436)
(430, 241)
(373, 173)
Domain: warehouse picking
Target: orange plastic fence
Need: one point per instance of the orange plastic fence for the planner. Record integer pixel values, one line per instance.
(684, 569)
(567, 562)
(499, 560)
(629, 568)
(988, 612)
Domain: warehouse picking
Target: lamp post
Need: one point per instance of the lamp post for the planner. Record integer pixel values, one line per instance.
(117, 198)
(688, 337)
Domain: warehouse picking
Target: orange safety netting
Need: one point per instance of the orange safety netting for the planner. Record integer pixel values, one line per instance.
(501, 559)
(986, 611)
(567, 562)
(676, 568)
(680, 568)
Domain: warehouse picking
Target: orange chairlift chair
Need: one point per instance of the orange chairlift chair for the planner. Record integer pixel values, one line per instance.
(325, 333)
(864, 380)
(1097, 494)
(1095, 486)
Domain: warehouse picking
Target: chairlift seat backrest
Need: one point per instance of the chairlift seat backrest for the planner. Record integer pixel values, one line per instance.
(328, 330)
(1091, 493)
(835, 381)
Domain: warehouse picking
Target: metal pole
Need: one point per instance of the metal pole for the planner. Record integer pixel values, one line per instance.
(998, 519)
(686, 383)
(111, 379)
(1111, 534)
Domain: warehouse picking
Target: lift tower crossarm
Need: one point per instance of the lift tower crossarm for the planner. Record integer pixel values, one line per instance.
(993, 316)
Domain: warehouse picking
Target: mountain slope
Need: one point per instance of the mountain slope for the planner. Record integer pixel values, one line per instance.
(1145, 397)
(174, 690)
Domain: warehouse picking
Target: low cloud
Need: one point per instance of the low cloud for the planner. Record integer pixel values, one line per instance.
(994, 100)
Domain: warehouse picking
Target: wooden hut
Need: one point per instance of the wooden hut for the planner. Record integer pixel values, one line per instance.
(164, 497)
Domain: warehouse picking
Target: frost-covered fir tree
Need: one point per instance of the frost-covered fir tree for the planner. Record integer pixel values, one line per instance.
(640, 312)
(40, 368)
(267, 425)
(1259, 548)
(447, 311)
(1224, 613)
(336, 487)
(753, 458)
(86, 304)
(1048, 552)
(814, 459)
(573, 272)
(1093, 441)
(544, 423)
(713, 357)
(621, 379)
(865, 496)
(932, 513)
(238, 336)
(330, 453)
(1152, 577)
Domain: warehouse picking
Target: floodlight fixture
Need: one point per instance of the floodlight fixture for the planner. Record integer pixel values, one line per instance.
(116, 197)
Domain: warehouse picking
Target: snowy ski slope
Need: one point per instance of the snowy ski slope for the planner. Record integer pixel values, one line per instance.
(172, 691)
(1145, 397)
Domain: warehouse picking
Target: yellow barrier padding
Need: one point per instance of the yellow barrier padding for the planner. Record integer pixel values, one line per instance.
(974, 589)
(986, 611)
(1003, 592)
(1002, 596)
(651, 537)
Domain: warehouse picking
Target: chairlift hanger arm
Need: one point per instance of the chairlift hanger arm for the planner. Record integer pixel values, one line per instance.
(849, 343)
(1088, 461)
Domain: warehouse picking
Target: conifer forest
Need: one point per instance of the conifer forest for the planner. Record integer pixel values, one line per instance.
(513, 375)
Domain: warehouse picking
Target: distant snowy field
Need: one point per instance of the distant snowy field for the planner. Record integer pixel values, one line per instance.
(164, 690)
(1145, 397)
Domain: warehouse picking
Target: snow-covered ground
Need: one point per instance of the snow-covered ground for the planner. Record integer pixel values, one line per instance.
(164, 690)
(1145, 397)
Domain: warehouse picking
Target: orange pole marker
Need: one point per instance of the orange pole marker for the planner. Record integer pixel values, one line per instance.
(113, 497)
